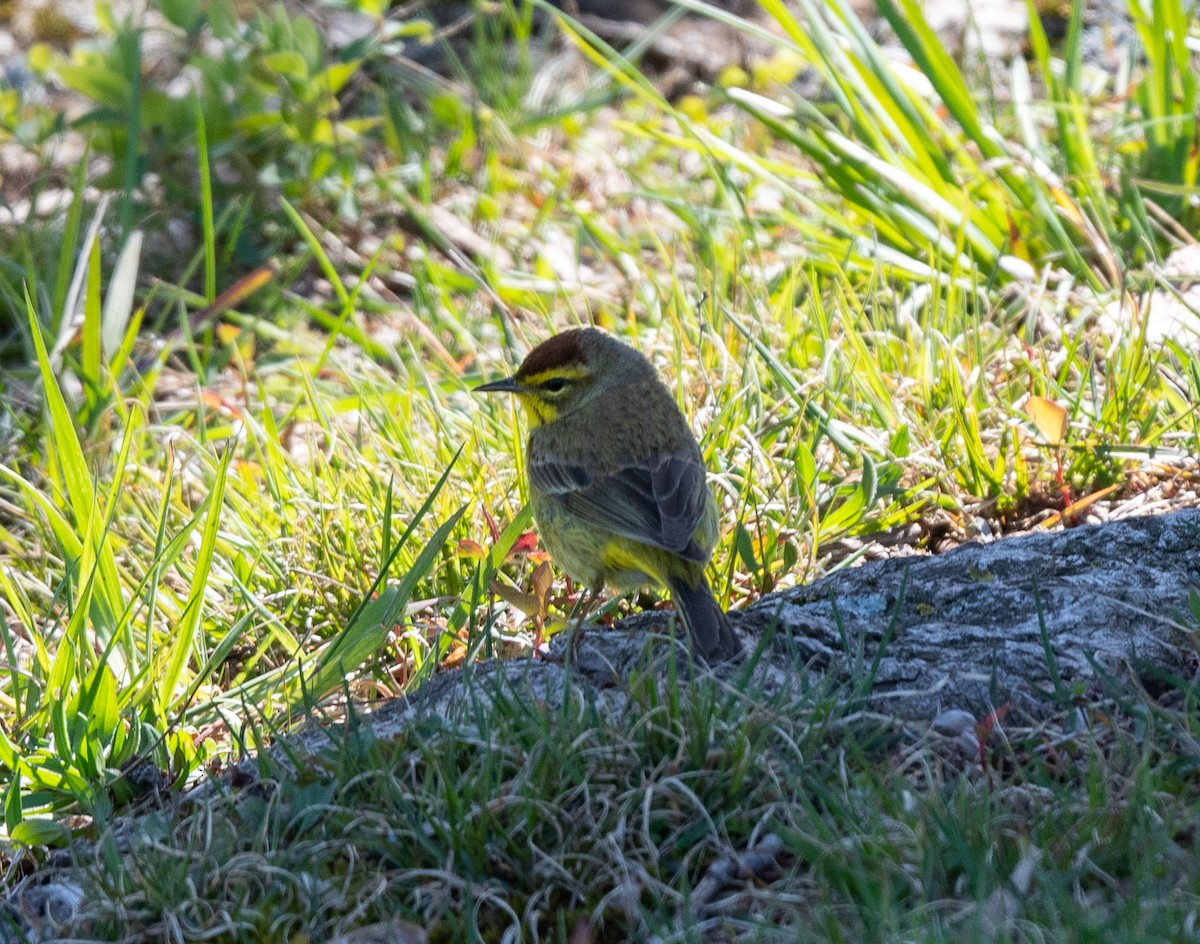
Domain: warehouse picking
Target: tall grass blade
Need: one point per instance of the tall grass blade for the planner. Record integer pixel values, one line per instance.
(186, 638)
(68, 459)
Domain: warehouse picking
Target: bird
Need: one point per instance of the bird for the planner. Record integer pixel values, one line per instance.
(617, 484)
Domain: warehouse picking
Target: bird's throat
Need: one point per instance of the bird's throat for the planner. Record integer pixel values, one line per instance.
(538, 411)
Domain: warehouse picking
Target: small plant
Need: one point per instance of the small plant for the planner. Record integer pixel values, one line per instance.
(112, 661)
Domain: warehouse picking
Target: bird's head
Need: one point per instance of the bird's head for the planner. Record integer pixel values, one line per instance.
(567, 371)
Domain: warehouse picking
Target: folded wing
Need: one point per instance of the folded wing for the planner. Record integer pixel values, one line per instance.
(658, 502)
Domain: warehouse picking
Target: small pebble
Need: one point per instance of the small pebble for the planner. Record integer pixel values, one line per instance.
(953, 722)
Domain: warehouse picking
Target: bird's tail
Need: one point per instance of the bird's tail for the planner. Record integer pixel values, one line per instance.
(712, 636)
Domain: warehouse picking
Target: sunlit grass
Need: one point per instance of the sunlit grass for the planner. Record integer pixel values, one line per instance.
(294, 495)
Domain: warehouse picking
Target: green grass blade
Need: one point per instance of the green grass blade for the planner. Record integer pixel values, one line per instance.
(206, 204)
(369, 628)
(187, 639)
(67, 456)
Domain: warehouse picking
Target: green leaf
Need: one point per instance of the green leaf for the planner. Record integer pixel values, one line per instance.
(14, 812)
(289, 64)
(93, 76)
(98, 702)
(870, 481)
(845, 515)
(333, 78)
(40, 832)
(745, 549)
(806, 467)
(188, 15)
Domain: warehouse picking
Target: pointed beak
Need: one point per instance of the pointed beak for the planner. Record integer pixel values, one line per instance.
(507, 385)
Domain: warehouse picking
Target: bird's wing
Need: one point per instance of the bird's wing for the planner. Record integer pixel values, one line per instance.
(659, 501)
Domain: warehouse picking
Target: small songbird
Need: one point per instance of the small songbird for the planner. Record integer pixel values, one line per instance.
(616, 478)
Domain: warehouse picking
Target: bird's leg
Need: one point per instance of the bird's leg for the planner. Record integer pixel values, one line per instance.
(578, 615)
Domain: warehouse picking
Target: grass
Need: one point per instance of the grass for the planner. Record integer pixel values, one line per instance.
(518, 816)
(244, 473)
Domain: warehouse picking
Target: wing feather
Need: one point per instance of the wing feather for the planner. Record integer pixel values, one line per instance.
(659, 501)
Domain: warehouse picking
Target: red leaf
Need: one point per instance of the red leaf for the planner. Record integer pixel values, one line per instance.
(471, 549)
(984, 728)
(492, 526)
(527, 543)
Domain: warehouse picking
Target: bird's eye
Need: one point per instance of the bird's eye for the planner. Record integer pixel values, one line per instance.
(555, 385)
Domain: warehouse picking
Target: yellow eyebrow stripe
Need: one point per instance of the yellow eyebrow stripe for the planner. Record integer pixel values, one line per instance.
(569, 373)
